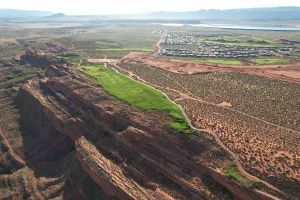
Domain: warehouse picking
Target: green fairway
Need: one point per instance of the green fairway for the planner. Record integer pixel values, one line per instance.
(138, 95)
(220, 61)
(264, 61)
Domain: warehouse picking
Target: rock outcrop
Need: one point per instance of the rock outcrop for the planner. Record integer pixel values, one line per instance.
(38, 58)
(125, 152)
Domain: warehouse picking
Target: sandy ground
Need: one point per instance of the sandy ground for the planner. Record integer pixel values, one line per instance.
(105, 60)
(210, 131)
(289, 72)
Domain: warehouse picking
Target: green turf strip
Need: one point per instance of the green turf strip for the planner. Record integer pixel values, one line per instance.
(265, 61)
(220, 61)
(138, 95)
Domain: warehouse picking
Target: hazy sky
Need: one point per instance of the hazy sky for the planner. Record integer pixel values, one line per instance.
(137, 6)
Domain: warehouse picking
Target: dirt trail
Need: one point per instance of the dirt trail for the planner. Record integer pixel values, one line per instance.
(38, 194)
(157, 47)
(190, 96)
(236, 159)
(5, 141)
(245, 114)
(267, 194)
(217, 139)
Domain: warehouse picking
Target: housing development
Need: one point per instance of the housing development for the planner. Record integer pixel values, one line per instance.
(203, 47)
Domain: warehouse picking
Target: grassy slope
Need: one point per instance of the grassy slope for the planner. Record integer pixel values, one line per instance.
(262, 61)
(233, 172)
(137, 94)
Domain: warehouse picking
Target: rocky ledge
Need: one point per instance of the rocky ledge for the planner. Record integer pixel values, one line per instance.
(125, 152)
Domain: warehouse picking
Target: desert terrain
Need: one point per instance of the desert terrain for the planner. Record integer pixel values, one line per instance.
(95, 110)
(285, 72)
(260, 139)
(109, 144)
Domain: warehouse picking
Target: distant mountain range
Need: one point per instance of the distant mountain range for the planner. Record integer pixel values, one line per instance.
(237, 14)
(13, 13)
(56, 15)
(247, 13)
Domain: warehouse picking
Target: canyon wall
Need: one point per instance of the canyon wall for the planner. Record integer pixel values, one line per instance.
(126, 153)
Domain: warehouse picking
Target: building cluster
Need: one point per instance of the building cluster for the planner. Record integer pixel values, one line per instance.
(209, 50)
(172, 39)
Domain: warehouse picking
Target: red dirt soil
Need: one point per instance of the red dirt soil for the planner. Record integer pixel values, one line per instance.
(289, 72)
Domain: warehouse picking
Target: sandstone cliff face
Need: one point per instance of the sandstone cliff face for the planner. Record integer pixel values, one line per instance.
(38, 58)
(120, 149)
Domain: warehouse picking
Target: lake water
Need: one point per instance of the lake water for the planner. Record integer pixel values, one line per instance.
(230, 26)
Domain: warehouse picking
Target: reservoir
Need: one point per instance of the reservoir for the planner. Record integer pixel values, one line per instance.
(240, 27)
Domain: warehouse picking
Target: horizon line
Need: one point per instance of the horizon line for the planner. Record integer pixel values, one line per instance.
(147, 12)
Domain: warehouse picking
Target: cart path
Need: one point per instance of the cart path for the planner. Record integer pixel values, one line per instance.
(237, 162)
(217, 139)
